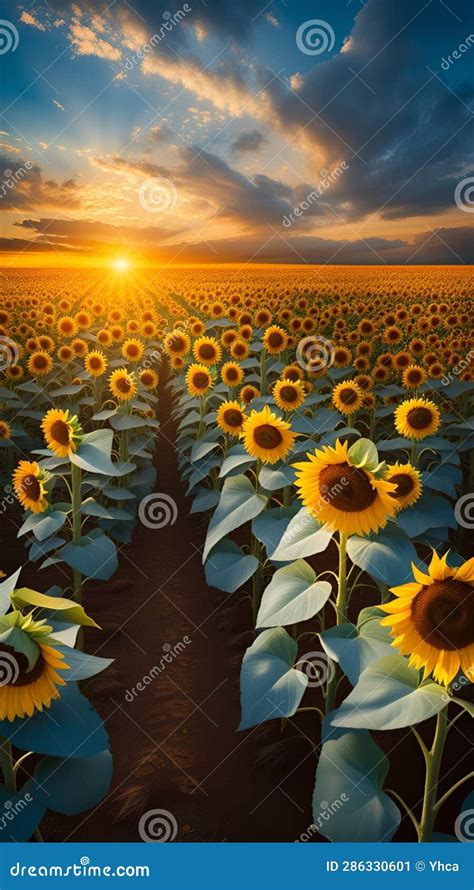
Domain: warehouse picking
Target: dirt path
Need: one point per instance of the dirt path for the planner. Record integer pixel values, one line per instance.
(175, 743)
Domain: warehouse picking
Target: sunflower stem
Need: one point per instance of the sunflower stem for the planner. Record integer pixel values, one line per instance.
(263, 373)
(433, 766)
(451, 791)
(341, 615)
(6, 757)
(76, 537)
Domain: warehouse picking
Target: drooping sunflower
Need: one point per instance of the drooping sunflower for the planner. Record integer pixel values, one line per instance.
(289, 394)
(207, 351)
(40, 363)
(95, 363)
(350, 499)
(417, 419)
(123, 384)
(408, 484)
(232, 374)
(275, 340)
(149, 378)
(413, 376)
(347, 397)
(230, 418)
(266, 436)
(29, 482)
(133, 349)
(30, 681)
(432, 619)
(61, 431)
(198, 379)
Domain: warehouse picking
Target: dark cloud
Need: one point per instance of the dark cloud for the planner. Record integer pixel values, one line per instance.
(248, 142)
(23, 186)
(85, 233)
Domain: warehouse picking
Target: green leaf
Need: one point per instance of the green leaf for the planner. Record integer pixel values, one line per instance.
(72, 786)
(431, 511)
(389, 696)
(43, 524)
(238, 504)
(270, 687)
(228, 568)
(363, 454)
(350, 775)
(357, 647)
(237, 457)
(93, 557)
(269, 527)
(386, 556)
(303, 537)
(67, 610)
(7, 586)
(23, 644)
(26, 809)
(293, 595)
(94, 453)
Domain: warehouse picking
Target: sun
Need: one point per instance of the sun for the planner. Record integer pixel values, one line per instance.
(121, 264)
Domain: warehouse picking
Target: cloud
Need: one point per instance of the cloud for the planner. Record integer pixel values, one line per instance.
(28, 19)
(30, 190)
(248, 141)
(58, 105)
(91, 233)
(86, 42)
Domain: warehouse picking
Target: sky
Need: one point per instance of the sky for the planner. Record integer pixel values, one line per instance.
(250, 131)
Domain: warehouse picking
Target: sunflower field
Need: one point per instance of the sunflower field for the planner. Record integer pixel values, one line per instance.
(324, 442)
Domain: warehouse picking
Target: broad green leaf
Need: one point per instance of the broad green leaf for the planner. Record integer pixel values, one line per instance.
(238, 504)
(431, 511)
(67, 610)
(20, 642)
(7, 586)
(294, 594)
(43, 525)
(94, 453)
(357, 647)
(303, 537)
(71, 786)
(93, 557)
(228, 568)
(386, 556)
(270, 686)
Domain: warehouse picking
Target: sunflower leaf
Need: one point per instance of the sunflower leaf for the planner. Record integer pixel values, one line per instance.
(67, 609)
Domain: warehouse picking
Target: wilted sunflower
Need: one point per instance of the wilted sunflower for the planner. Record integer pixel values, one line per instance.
(347, 397)
(417, 419)
(275, 340)
(40, 363)
(432, 619)
(29, 682)
(230, 418)
(207, 351)
(61, 431)
(289, 394)
(95, 363)
(29, 482)
(350, 499)
(266, 436)
(232, 374)
(123, 384)
(408, 484)
(198, 379)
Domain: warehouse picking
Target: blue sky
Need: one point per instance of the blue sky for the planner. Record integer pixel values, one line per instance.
(229, 118)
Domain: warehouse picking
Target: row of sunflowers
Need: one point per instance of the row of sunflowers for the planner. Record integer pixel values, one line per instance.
(324, 437)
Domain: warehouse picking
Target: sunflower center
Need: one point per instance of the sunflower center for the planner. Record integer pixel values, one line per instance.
(348, 488)
(348, 396)
(404, 483)
(95, 363)
(14, 667)
(40, 362)
(275, 339)
(132, 350)
(419, 418)
(288, 393)
(123, 385)
(31, 488)
(201, 380)
(207, 351)
(232, 374)
(176, 344)
(443, 614)
(60, 432)
(233, 417)
(267, 436)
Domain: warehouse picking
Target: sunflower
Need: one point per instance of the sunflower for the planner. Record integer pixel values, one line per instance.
(347, 397)
(417, 419)
(148, 378)
(198, 379)
(275, 340)
(232, 374)
(5, 430)
(40, 363)
(14, 372)
(230, 418)
(30, 681)
(432, 619)
(65, 354)
(95, 363)
(207, 351)
(133, 349)
(289, 394)
(29, 482)
(413, 376)
(67, 326)
(104, 337)
(239, 349)
(342, 357)
(248, 393)
(79, 346)
(197, 328)
(266, 436)
(123, 384)
(292, 372)
(350, 499)
(61, 431)
(408, 484)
